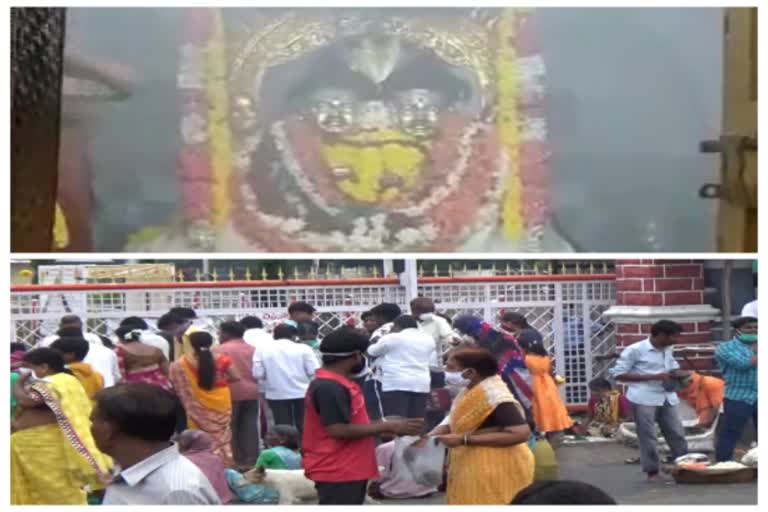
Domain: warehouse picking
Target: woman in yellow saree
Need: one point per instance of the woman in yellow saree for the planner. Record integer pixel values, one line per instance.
(53, 455)
(486, 431)
(202, 384)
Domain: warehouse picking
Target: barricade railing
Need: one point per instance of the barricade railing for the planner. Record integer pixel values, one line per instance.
(566, 309)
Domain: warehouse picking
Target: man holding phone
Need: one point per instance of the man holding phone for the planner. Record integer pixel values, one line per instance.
(645, 367)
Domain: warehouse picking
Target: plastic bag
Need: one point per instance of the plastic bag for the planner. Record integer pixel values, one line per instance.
(750, 459)
(420, 459)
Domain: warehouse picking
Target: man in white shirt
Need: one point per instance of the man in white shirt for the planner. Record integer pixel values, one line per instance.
(73, 321)
(750, 309)
(147, 336)
(255, 334)
(284, 370)
(404, 358)
(133, 424)
(101, 359)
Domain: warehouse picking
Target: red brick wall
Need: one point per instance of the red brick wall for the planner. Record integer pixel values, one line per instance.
(659, 283)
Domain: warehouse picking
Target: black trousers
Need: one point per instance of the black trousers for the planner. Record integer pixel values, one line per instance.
(341, 493)
(288, 412)
(405, 404)
(246, 432)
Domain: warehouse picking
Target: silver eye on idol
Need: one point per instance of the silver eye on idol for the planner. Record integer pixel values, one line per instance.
(334, 109)
(418, 111)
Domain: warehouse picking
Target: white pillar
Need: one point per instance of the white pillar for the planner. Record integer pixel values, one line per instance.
(410, 279)
(389, 267)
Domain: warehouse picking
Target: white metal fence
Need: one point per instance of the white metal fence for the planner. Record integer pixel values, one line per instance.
(568, 312)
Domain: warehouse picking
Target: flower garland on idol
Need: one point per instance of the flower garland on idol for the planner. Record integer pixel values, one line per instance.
(512, 191)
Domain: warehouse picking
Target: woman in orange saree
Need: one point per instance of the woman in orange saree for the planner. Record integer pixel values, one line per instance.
(202, 384)
(486, 431)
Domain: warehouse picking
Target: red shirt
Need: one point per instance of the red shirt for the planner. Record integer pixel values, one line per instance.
(326, 459)
(241, 355)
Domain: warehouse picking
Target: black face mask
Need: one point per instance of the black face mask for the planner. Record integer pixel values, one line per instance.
(359, 368)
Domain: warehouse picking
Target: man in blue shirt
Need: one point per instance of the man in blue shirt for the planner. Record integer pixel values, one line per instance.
(645, 366)
(738, 360)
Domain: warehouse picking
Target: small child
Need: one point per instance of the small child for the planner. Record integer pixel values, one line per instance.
(607, 408)
(549, 412)
(283, 451)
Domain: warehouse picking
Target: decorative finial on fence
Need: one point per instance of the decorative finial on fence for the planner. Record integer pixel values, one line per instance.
(231, 274)
(263, 274)
(198, 275)
(215, 275)
(280, 273)
(248, 274)
(179, 275)
(465, 270)
(493, 269)
(296, 273)
(328, 271)
(312, 273)
(450, 270)
(578, 267)
(563, 268)
(535, 268)
(375, 271)
(507, 270)
(421, 270)
(605, 268)
(435, 271)
(550, 268)
(591, 267)
(522, 268)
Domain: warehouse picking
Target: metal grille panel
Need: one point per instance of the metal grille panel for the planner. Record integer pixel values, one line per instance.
(568, 314)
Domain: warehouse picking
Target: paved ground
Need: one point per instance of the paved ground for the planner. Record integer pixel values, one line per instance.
(603, 465)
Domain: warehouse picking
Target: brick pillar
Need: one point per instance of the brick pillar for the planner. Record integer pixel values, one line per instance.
(651, 290)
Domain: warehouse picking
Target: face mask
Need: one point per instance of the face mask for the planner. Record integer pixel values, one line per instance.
(28, 371)
(456, 379)
(425, 317)
(361, 370)
(747, 338)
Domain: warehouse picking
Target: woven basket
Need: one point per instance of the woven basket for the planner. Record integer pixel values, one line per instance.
(687, 476)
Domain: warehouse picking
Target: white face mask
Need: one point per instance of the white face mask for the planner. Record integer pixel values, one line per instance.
(426, 317)
(456, 379)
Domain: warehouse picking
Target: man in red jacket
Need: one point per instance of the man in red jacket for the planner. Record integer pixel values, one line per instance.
(339, 439)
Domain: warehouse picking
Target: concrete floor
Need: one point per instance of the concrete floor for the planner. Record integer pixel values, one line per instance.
(603, 465)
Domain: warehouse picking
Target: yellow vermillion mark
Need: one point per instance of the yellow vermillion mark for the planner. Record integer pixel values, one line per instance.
(218, 128)
(507, 88)
(369, 164)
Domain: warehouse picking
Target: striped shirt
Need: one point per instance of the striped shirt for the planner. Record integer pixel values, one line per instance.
(735, 359)
(165, 478)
